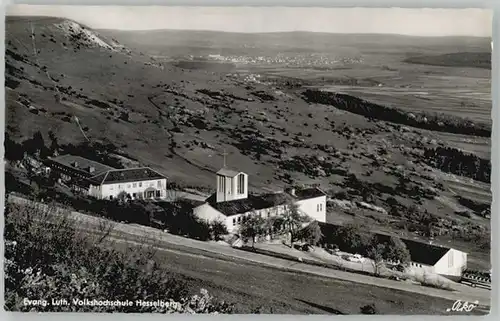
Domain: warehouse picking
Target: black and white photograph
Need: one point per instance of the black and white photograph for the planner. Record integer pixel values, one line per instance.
(247, 160)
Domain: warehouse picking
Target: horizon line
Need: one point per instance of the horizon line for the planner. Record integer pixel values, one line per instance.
(245, 33)
(292, 31)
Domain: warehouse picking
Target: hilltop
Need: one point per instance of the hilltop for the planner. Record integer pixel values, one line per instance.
(178, 119)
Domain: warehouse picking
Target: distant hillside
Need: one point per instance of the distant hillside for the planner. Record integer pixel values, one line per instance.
(204, 42)
(458, 59)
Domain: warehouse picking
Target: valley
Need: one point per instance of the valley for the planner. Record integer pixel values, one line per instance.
(171, 101)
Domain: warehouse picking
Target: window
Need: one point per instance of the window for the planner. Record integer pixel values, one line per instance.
(128, 185)
(158, 184)
(241, 184)
(158, 193)
(134, 185)
(119, 187)
(239, 219)
(222, 184)
(110, 197)
(320, 207)
(134, 195)
(230, 190)
(140, 184)
(234, 221)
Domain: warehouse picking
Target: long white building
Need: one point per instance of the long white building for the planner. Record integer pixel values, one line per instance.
(231, 202)
(104, 182)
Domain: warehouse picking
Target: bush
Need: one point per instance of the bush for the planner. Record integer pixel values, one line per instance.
(433, 281)
(47, 257)
(217, 230)
(368, 309)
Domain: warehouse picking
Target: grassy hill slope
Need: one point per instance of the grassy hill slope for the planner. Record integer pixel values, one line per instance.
(179, 121)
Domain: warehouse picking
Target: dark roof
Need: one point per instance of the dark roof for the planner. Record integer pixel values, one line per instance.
(420, 252)
(228, 172)
(127, 175)
(307, 193)
(252, 202)
(191, 202)
(83, 164)
(262, 201)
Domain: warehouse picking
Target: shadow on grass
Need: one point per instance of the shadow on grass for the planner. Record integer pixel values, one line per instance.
(321, 307)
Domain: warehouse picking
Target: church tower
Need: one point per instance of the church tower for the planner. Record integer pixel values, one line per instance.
(231, 184)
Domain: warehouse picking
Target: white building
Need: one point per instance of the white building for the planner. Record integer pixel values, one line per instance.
(136, 183)
(435, 259)
(232, 202)
(104, 182)
(424, 257)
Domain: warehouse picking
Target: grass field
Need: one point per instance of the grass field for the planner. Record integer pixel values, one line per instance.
(251, 286)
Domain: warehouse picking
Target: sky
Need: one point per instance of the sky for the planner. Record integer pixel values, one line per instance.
(415, 22)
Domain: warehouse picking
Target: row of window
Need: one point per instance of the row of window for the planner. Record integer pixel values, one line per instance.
(319, 207)
(242, 218)
(135, 185)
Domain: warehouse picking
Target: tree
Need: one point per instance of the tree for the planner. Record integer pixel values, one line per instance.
(312, 233)
(122, 197)
(35, 145)
(350, 238)
(252, 226)
(396, 251)
(217, 230)
(376, 254)
(293, 219)
(13, 150)
(54, 144)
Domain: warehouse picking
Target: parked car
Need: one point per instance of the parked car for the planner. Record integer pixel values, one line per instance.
(355, 258)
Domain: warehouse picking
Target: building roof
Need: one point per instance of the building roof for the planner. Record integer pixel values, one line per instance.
(252, 202)
(127, 175)
(83, 164)
(262, 201)
(191, 202)
(425, 253)
(227, 172)
(420, 252)
(307, 193)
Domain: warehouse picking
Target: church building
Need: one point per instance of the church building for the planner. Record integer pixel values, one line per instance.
(232, 202)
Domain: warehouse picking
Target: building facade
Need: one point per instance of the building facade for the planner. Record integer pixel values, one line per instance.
(134, 183)
(232, 203)
(104, 182)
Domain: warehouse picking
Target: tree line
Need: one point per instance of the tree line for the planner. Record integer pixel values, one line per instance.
(289, 220)
(451, 160)
(349, 238)
(435, 122)
(177, 217)
(36, 146)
